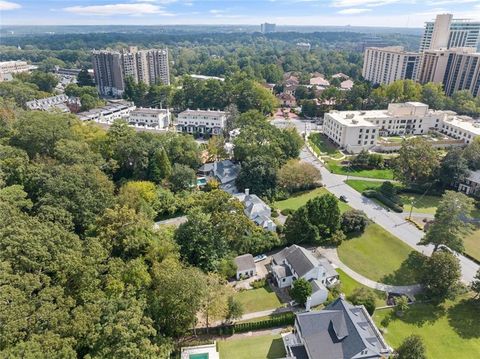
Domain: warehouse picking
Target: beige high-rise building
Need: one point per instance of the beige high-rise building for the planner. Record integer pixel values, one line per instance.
(111, 68)
(384, 65)
(455, 69)
(446, 32)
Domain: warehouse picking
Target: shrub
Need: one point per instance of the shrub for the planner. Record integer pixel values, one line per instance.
(364, 296)
(274, 214)
(388, 190)
(336, 239)
(287, 211)
(276, 321)
(386, 201)
(259, 283)
(354, 221)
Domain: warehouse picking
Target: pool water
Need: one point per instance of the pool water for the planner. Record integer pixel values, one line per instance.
(199, 356)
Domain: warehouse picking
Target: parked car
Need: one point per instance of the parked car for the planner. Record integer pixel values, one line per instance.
(343, 198)
(259, 258)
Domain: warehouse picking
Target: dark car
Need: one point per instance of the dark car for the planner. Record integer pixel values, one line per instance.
(343, 198)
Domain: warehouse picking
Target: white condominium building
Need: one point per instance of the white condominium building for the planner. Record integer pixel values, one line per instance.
(107, 114)
(447, 32)
(201, 121)
(384, 65)
(7, 68)
(359, 130)
(461, 127)
(150, 117)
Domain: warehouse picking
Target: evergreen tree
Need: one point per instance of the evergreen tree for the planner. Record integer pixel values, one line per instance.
(84, 78)
(159, 166)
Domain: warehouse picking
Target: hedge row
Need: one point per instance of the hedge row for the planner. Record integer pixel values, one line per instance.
(382, 198)
(229, 329)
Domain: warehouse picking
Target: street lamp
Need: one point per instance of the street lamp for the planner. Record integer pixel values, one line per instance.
(411, 207)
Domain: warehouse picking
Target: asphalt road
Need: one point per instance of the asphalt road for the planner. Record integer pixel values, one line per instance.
(392, 222)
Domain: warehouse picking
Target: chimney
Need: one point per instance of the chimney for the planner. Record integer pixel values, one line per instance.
(247, 192)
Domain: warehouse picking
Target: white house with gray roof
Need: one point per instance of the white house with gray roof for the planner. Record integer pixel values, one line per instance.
(225, 172)
(296, 262)
(471, 184)
(257, 210)
(340, 331)
(245, 266)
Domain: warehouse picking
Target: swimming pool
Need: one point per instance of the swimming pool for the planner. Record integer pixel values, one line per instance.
(199, 356)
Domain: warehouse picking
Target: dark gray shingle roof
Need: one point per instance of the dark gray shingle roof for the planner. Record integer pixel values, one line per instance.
(341, 330)
(244, 262)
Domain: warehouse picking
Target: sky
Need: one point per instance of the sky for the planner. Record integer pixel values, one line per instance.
(391, 13)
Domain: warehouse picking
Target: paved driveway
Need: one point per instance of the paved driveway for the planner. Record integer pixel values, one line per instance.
(390, 221)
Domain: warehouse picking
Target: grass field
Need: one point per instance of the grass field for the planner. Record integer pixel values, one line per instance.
(256, 347)
(299, 199)
(451, 330)
(380, 256)
(472, 244)
(426, 204)
(348, 285)
(256, 300)
(324, 147)
(335, 167)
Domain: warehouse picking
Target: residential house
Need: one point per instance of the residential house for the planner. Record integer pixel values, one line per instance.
(257, 210)
(287, 100)
(340, 331)
(245, 266)
(296, 262)
(341, 75)
(471, 184)
(319, 81)
(346, 85)
(225, 172)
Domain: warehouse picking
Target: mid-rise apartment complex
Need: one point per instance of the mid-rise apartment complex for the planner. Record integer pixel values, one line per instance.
(384, 65)
(446, 33)
(201, 121)
(7, 68)
(359, 130)
(266, 28)
(111, 68)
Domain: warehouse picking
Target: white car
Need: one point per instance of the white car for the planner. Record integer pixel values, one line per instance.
(259, 258)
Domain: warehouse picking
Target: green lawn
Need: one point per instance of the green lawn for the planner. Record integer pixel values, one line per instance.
(299, 199)
(256, 300)
(255, 347)
(427, 204)
(348, 285)
(323, 146)
(360, 185)
(449, 331)
(472, 244)
(335, 167)
(380, 256)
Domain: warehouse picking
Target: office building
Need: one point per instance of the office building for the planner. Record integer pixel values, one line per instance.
(360, 130)
(201, 121)
(111, 68)
(150, 117)
(384, 65)
(446, 32)
(455, 69)
(266, 28)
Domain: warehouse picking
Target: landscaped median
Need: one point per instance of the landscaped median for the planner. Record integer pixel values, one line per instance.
(340, 169)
